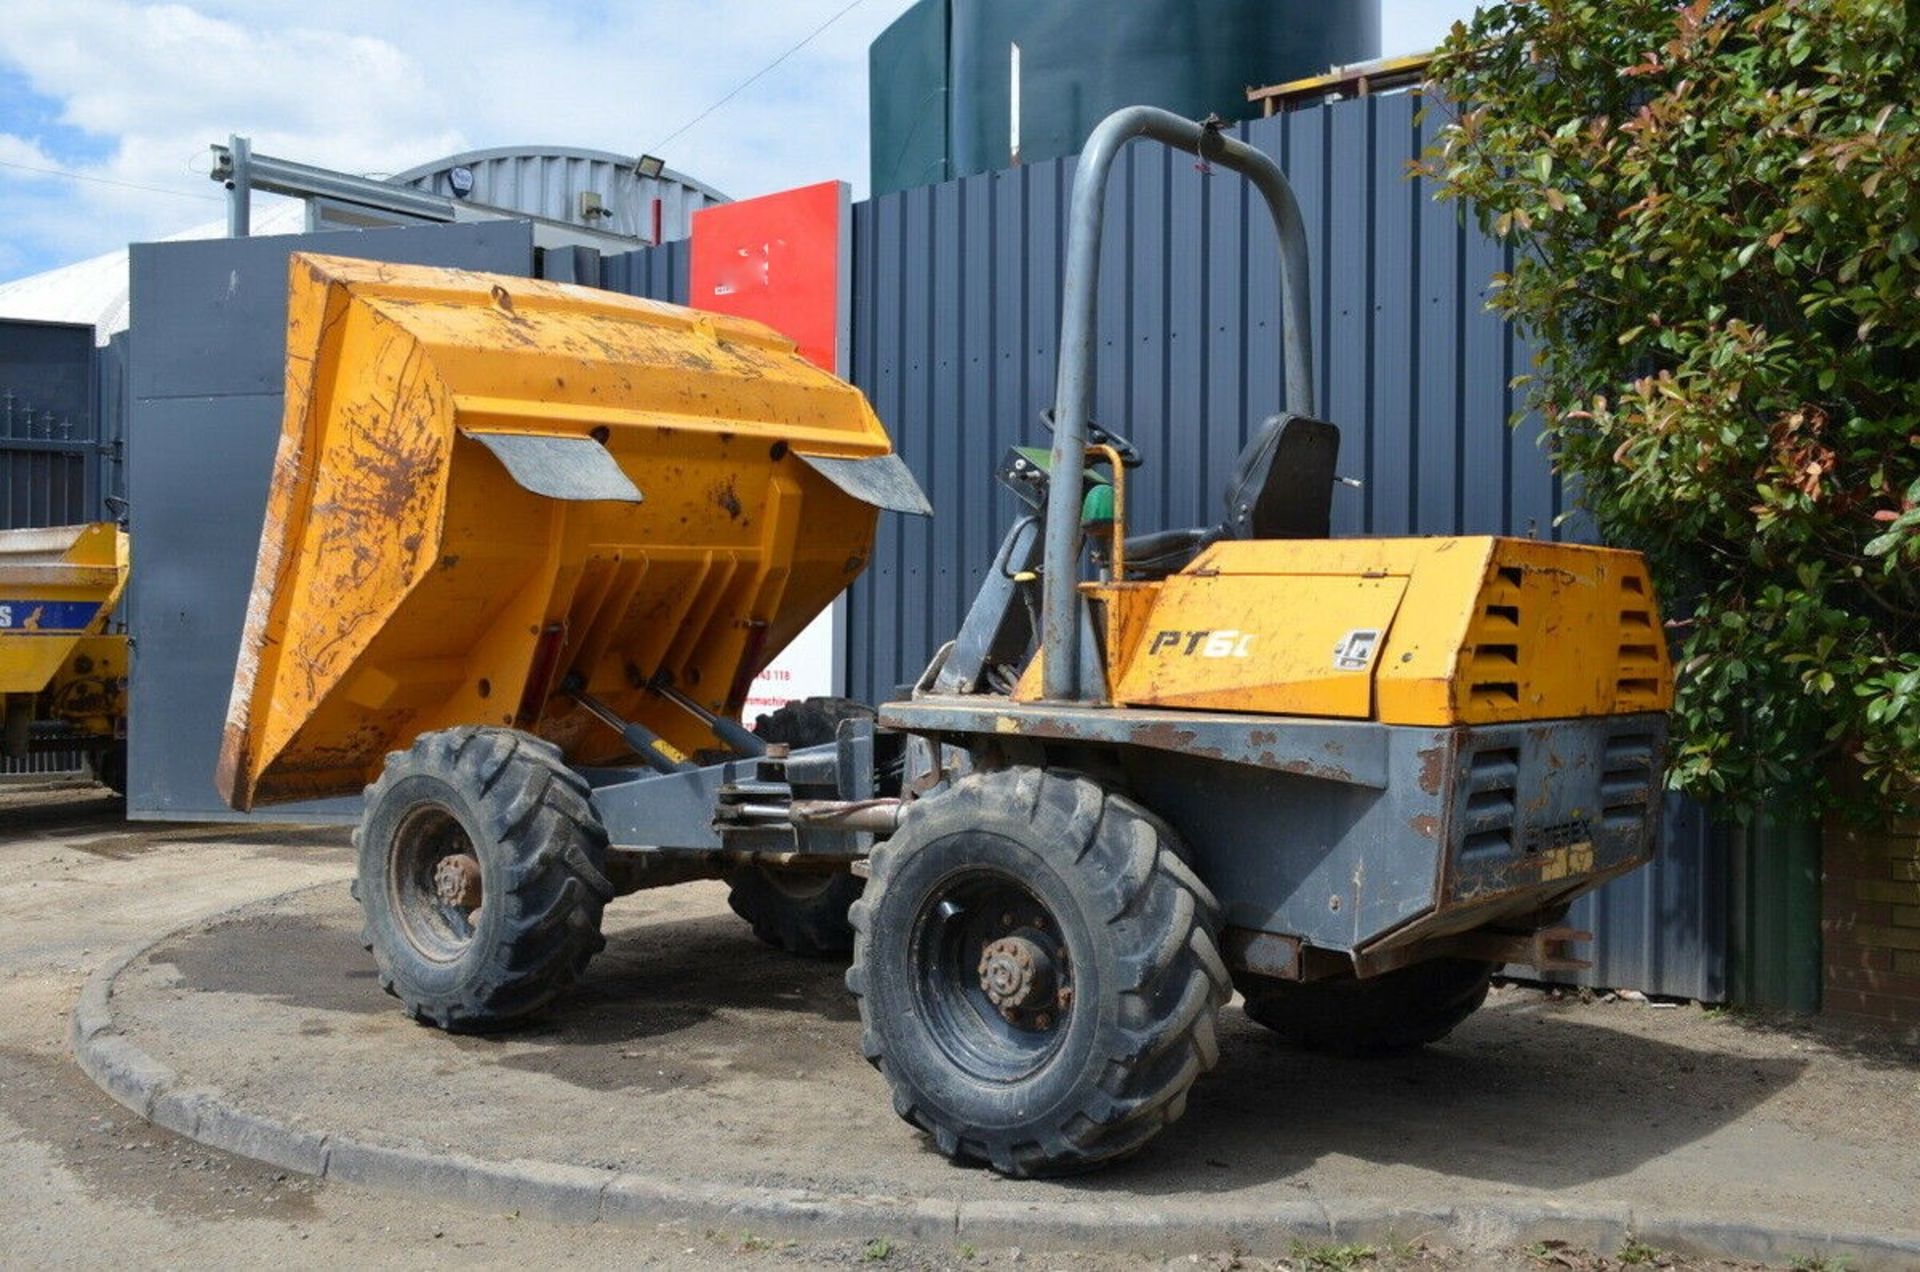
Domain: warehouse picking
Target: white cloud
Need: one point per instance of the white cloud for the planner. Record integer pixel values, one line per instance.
(373, 86)
(29, 156)
(377, 86)
(160, 82)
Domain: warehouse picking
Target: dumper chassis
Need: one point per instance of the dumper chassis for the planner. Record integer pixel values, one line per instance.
(1349, 776)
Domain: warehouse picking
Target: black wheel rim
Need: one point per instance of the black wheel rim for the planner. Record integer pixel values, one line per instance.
(428, 842)
(970, 927)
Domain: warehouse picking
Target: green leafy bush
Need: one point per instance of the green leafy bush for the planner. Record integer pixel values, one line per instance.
(1716, 212)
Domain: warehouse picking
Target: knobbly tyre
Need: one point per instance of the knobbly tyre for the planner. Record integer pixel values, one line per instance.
(528, 542)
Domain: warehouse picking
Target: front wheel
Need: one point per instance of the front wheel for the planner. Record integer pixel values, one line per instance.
(1037, 972)
(482, 877)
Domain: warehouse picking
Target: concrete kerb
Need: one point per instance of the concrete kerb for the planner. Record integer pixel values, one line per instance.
(577, 1194)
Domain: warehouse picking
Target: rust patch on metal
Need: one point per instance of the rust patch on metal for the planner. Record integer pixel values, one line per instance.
(1306, 768)
(456, 881)
(229, 774)
(1433, 769)
(1171, 737)
(728, 498)
(1426, 825)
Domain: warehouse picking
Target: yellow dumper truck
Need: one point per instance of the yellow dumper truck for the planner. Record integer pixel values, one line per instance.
(63, 675)
(527, 543)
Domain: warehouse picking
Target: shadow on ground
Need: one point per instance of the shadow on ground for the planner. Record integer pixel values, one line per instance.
(30, 813)
(93, 820)
(1522, 1095)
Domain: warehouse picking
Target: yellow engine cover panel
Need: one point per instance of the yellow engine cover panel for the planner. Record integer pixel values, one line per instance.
(1556, 630)
(1223, 644)
(1439, 631)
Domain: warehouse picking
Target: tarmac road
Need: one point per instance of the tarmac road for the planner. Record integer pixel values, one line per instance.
(692, 1052)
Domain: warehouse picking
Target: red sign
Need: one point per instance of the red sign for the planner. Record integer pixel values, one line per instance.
(783, 259)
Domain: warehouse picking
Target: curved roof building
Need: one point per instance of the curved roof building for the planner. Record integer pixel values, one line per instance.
(592, 189)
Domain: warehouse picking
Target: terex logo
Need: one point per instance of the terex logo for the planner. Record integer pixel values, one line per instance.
(1222, 644)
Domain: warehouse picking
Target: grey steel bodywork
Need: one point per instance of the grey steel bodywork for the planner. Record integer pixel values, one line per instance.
(1371, 844)
(1355, 837)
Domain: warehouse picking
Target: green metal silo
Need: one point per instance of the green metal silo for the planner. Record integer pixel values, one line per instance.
(943, 75)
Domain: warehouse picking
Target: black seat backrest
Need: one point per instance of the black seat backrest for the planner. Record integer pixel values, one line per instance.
(1282, 484)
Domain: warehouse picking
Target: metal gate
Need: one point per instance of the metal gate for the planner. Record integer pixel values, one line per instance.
(57, 464)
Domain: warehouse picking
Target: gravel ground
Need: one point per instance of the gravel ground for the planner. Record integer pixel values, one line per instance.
(692, 1049)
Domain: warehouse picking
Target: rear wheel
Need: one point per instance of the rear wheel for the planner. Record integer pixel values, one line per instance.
(482, 877)
(1396, 1011)
(801, 912)
(1036, 971)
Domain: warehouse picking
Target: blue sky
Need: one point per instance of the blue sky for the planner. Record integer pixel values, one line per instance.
(107, 106)
(26, 113)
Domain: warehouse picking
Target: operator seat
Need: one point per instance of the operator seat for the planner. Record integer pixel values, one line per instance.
(1281, 487)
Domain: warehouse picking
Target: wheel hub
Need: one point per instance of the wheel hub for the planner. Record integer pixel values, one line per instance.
(456, 881)
(1017, 974)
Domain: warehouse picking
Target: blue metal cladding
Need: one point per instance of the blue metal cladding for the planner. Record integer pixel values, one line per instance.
(659, 273)
(956, 306)
(1664, 928)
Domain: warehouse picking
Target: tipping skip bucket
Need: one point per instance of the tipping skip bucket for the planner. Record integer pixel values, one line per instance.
(57, 587)
(489, 489)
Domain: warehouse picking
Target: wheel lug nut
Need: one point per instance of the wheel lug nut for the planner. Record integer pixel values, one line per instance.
(456, 881)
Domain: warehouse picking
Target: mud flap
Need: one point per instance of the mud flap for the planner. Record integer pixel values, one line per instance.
(575, 468)
(881, 480)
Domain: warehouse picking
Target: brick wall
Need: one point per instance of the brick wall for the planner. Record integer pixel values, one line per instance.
(1870, 922)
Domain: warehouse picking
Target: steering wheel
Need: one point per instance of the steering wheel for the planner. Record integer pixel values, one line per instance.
(1096, 436)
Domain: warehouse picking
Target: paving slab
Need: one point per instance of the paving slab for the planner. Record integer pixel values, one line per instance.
(696, 1072)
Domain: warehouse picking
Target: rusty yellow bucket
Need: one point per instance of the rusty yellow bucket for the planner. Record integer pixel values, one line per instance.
(493, 494)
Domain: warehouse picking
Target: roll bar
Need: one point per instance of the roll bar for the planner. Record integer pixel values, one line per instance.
(1073, 398)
